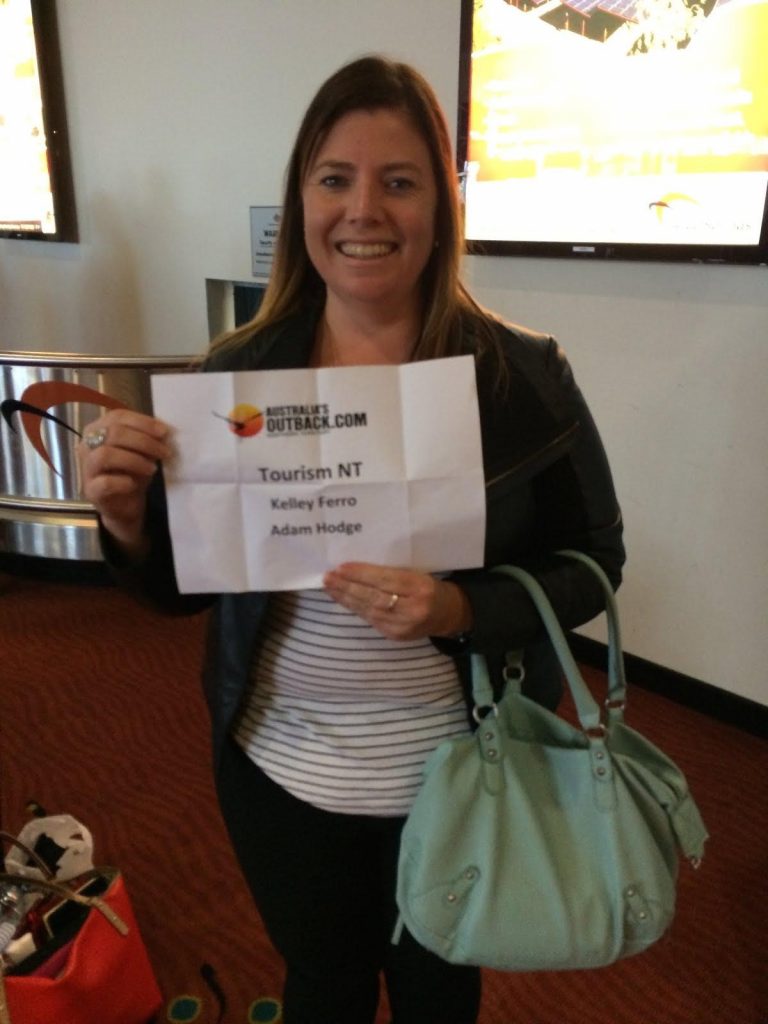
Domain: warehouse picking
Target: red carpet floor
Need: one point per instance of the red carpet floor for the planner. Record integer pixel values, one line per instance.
(101, 717)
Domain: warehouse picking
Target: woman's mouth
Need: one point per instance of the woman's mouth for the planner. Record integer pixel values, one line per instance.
(366, 250)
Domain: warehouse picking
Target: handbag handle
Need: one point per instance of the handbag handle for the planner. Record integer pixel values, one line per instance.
(66, 893)
(587, 708)
(28, 852)
(617, 680)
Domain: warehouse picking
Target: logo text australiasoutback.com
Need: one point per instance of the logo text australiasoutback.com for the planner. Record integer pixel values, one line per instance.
(283, 420)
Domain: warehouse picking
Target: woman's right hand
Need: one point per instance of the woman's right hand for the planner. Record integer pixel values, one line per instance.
(116, 473)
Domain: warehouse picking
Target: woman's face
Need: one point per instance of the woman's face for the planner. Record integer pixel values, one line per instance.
(369, 212)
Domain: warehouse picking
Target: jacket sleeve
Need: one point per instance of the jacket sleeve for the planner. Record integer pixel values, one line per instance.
(574, 506)
(153, 580)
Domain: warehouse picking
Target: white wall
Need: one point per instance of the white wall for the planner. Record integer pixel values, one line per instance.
(674, 363)
(181, 114)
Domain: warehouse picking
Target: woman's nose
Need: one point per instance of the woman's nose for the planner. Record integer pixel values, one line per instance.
(364, 201)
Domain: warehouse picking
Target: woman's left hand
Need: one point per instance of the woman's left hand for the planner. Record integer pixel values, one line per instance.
(400, 603)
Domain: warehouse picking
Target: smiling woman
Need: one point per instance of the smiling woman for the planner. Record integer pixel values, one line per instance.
(414, 163)
(327, 703)
(369, 225)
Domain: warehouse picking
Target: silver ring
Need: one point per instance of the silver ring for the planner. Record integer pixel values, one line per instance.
(95, 439)
(392, 602)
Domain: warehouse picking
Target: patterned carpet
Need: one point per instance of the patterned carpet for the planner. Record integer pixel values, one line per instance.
(102, 718)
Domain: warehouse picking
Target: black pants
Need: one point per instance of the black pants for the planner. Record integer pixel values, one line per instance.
(324, 885)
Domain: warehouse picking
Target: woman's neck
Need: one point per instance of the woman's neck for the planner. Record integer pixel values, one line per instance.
(345, 338)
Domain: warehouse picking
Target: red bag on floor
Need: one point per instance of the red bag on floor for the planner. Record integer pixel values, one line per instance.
(106, 977)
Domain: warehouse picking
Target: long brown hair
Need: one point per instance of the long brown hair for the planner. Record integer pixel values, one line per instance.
(374, 83)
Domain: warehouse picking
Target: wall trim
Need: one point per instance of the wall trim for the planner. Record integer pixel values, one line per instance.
(731, 708)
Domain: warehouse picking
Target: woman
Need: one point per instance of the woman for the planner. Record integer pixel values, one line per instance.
(326, 703)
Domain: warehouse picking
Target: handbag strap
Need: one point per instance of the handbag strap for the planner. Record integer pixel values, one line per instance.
(30, 854)
(587, 708)
(617, 680)
(66, 893)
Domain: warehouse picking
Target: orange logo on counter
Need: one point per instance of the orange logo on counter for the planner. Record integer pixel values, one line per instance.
(41, 396)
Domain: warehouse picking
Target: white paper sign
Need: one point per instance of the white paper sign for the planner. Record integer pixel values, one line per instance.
(265, 223)
(281, 475)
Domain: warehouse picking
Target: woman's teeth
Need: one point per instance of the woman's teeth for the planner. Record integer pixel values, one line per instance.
(366, 250)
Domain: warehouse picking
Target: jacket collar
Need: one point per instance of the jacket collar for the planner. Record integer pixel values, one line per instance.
(286, 345)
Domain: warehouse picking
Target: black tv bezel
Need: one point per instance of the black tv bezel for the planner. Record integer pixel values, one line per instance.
(46, 31)
(585, 249)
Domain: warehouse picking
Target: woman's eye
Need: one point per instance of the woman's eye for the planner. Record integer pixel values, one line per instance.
(400, 184)
(333, 181)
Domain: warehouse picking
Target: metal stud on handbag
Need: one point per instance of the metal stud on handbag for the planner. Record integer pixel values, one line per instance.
(535, 844)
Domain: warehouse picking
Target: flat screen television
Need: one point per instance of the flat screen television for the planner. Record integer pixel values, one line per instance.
(629, 129)
(36, 193)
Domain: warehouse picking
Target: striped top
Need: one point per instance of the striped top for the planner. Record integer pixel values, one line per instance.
(339, 715)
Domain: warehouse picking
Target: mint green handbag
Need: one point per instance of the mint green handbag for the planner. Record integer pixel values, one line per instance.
(534, 844)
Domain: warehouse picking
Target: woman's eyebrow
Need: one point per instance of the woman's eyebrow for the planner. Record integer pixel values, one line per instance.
(333, 165)
(346, 165)
(403, 165)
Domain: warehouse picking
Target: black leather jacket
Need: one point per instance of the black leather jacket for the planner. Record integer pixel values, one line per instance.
(548, 486)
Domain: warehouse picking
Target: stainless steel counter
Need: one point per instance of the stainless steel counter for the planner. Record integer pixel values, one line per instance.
(42, 512)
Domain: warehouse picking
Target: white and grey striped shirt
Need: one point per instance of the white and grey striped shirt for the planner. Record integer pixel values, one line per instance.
(339, 715)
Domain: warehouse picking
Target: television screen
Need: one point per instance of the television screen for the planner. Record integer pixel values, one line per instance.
(36, 199)
(616, 128)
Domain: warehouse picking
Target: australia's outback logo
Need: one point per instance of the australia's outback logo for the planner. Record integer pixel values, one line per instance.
(244, 420)
(36, 401)
(284, 420)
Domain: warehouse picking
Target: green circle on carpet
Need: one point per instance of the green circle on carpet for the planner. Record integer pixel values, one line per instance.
(265, 1011)
(184, 1009)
